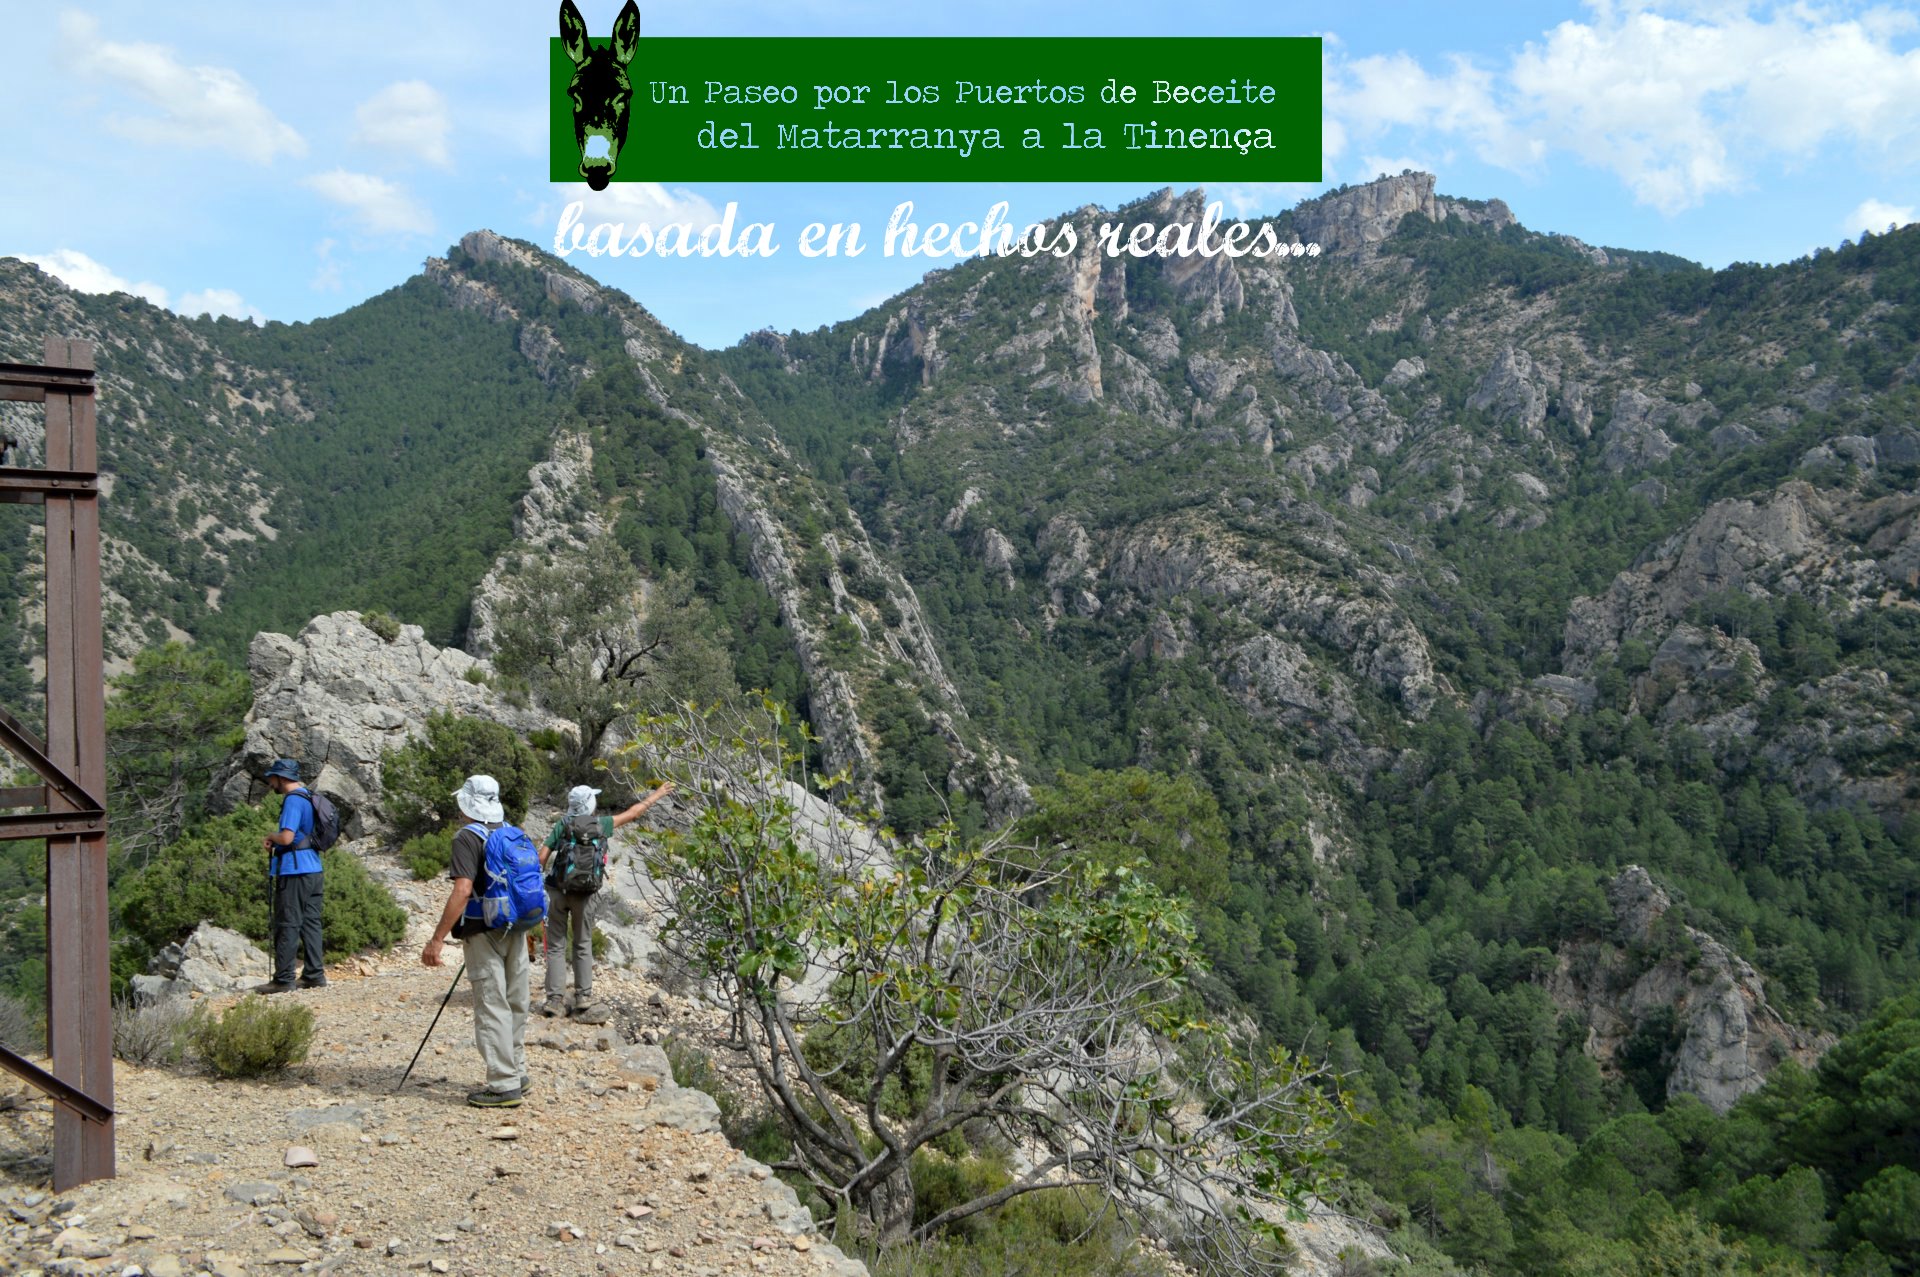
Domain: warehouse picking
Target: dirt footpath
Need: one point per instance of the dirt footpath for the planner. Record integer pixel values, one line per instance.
(607, 1167)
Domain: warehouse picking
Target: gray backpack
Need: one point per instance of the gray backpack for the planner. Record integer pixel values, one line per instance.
(580, 862)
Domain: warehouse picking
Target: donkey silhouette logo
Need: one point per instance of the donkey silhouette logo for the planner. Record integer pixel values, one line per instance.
(599, 90)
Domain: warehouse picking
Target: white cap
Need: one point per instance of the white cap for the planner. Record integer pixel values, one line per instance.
(479, 800)
(580, 800)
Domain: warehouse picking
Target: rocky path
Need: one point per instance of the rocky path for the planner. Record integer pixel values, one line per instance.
(608, 1166)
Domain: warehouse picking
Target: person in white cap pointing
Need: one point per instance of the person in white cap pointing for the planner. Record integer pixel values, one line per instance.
(575, 858)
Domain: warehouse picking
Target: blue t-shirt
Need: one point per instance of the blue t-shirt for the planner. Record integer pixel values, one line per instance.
(297, 817)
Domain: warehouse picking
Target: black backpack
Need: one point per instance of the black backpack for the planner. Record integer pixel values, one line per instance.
(580, 862)
(326, 822)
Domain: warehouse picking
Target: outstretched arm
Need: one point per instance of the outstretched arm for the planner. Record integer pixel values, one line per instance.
(634, 812)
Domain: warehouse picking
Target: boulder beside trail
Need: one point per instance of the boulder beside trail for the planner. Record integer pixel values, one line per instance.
(211, 960)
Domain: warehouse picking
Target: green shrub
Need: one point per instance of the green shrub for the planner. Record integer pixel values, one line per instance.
(429, 855)
(475, 675)
(1061, 1232)
(217, 873)
(547, 738)
(420, 777)
(253, 1037)
(382, 624)
(359, 912)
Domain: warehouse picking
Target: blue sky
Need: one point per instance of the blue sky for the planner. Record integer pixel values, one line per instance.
(285, 161)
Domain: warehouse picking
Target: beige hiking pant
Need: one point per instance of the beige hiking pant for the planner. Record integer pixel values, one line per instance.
(501, 972)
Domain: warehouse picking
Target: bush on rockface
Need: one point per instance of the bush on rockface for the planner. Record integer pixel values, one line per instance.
(253, 1037)
(418, 780)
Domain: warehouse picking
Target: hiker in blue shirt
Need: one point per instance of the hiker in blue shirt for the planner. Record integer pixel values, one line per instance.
(295, 874)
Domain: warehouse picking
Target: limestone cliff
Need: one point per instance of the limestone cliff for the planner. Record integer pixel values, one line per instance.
(1727, 1036)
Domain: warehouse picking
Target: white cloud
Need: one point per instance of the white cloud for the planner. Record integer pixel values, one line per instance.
(218, 301)
(326, 277)
(1680, 101)
(409, 118)
(83, 274)
(1876, 216)
(198, 105)
(1254, 199)
(380, 206)
(633, 204)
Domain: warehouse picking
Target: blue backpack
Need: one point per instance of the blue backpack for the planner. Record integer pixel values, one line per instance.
(514, 896)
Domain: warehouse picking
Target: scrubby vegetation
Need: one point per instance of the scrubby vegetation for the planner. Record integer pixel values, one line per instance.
(254, 1037)
(420, 778)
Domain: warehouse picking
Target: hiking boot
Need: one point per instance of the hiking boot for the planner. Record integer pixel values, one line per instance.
(526, 1084)
(274, 986)
(589, 1015)
(553, 1007)
(313, 982)
(494, 1099)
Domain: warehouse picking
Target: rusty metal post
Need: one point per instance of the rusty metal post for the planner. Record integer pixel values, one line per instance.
(73, 763)
(79, 1013)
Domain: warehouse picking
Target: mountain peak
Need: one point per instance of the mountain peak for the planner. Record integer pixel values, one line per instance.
(1354, 219)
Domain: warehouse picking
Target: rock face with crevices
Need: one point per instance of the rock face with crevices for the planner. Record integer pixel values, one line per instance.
(1728, 1036)
(338, 695)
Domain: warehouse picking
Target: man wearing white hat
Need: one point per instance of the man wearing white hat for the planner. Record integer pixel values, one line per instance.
(497, 961)
(580, 834)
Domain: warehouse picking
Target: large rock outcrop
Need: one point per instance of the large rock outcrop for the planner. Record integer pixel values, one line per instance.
(339, 694)
(211, 960)
(1728, 1037)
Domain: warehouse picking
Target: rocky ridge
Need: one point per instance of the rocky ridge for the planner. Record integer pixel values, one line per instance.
(1729, 1037)
(755, 477)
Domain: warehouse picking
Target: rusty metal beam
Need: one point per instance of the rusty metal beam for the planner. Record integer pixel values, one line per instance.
(53, 380)
(24, 486)
(23, 796)
(79, 1101)
(47, 825)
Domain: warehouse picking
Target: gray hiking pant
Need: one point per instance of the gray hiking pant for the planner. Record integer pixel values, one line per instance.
(297, 900)
(502, 977)
(566, 911)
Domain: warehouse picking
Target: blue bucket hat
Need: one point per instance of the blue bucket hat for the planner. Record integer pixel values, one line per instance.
(282, 767)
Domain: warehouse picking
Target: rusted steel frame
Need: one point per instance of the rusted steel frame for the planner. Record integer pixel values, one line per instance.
(23, 795)
(46, 825)
(31, 487)
(79, 1017)
(51, 379)
(79, 1101)
(32, 751)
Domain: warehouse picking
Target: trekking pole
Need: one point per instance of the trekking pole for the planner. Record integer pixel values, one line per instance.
(436, 1020)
